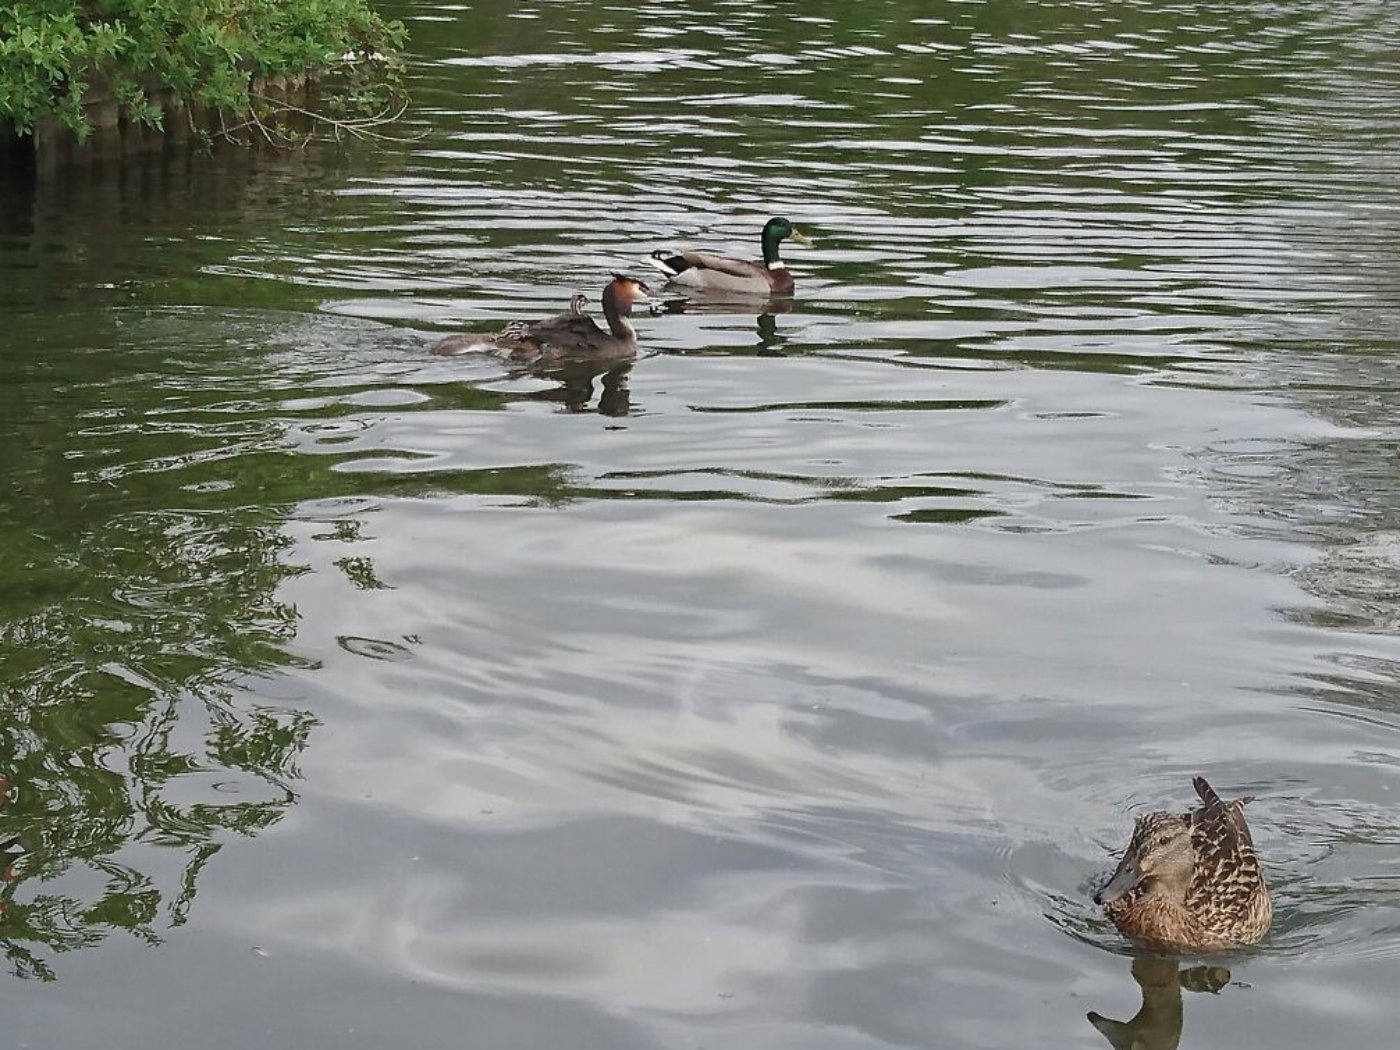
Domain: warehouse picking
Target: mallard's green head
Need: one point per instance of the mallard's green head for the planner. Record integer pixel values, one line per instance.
(775, 231)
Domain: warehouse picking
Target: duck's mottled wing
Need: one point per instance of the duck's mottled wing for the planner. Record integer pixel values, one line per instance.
(1229, 815)
(724, 264)
(1227, 874)
(1215, 827)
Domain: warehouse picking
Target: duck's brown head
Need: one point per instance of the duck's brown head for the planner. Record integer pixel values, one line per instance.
(1159, 861)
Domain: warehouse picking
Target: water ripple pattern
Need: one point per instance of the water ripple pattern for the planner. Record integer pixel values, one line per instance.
(795, 684)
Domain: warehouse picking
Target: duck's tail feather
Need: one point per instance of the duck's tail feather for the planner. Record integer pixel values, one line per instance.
(668, 263)
(1207, 793)
(1227, 818)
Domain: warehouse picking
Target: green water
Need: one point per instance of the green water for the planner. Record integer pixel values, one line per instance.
(792, 686)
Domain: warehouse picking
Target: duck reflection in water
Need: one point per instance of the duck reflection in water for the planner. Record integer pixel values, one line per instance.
(11, 850)
(1157, 1024)
(770, 340)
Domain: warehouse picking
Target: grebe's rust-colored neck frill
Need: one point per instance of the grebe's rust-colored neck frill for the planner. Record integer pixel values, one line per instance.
(618, 298)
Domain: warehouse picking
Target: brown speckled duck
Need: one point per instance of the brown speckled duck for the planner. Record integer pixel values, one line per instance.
(1191, 881)
(569, 336)
(720, 273)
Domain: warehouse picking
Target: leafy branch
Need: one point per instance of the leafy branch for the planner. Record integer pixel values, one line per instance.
(56, 56)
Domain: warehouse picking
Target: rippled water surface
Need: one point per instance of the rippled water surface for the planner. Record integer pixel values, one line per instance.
(793, 687)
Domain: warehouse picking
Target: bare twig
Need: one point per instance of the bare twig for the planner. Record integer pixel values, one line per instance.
(356, 127)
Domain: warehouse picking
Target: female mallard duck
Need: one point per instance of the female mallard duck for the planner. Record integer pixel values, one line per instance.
(567, 336)
(1191, 881)
(723, 274)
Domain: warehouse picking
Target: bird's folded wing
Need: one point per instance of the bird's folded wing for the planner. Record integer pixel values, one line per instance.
(569, 331)
(733, 267)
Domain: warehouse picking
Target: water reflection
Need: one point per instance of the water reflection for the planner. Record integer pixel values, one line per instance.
(1093, 272)
(1157, 1024)
(129, 753)
(770, 340)
(141, 622)
(575, 386)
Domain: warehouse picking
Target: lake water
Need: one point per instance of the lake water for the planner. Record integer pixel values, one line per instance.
(794, 687)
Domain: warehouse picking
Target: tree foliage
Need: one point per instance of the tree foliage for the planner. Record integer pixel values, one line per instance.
(209, 53)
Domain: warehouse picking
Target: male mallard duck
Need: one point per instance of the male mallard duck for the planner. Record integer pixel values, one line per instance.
(723, 274)
(567, 336)
(1191, 881)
